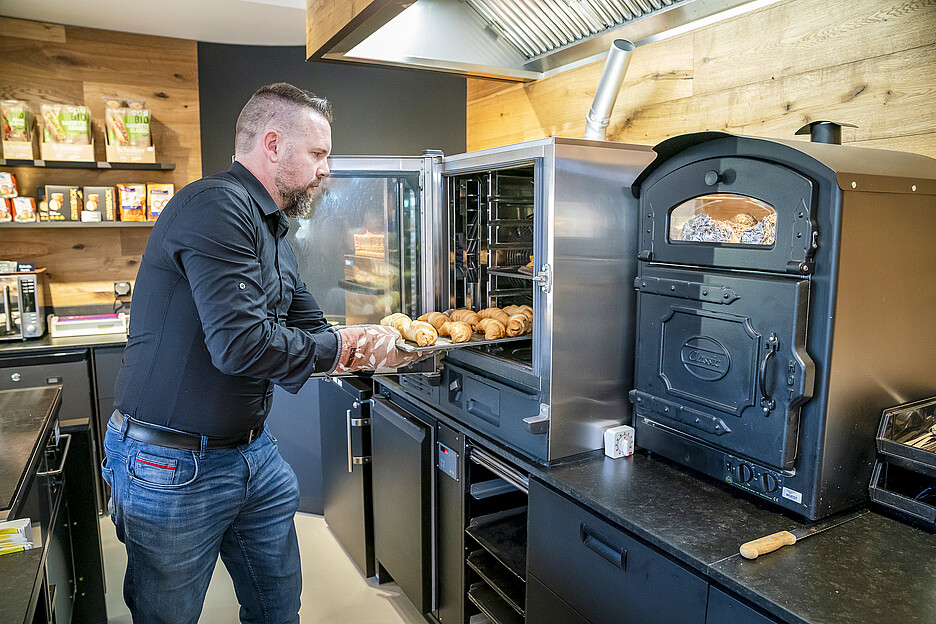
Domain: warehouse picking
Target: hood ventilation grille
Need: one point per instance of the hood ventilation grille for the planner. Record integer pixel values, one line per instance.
(539, 27)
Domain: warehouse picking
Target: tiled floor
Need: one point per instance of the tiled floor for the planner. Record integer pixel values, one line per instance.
(333, 591)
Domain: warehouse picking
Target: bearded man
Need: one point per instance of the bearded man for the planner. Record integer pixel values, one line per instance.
(219, 315)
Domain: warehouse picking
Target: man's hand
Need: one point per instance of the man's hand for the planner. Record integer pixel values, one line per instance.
(369, 347)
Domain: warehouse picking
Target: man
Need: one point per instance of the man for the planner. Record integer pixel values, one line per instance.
(220, 315)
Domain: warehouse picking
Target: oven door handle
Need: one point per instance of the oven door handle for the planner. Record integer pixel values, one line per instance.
(767, 401)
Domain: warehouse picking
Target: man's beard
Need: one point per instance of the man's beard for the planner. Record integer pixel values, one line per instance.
(297, 202)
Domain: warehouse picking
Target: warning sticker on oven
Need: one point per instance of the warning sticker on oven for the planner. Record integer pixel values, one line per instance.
(793, 495)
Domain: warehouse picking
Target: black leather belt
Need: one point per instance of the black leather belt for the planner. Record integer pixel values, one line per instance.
(150, 434)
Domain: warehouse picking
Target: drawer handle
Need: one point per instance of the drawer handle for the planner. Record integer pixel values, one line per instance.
(58, 471)
(616, 555)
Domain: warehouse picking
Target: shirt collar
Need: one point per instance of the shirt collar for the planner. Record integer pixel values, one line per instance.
(254, 187)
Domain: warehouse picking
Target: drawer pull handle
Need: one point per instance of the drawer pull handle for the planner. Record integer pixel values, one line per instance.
(58, 471)
(616, 555)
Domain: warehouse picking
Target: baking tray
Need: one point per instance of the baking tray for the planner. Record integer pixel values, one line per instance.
(492, 605)
(446, 344)
(908, 493)
(505, 583)
(503, 534)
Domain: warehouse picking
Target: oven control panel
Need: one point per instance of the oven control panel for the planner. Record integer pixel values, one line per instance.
(753, 478)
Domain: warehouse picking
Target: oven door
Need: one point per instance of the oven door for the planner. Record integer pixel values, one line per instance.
(369, 249)
(731, 213)
(371, 246)
(722, 357)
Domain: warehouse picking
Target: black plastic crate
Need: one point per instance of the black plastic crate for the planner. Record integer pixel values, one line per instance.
(907, 436)
(910, 493)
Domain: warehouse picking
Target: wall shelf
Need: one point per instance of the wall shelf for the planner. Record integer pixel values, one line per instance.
(68, 164)
(76, 224)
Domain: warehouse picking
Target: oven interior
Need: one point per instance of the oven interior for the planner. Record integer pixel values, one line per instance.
(491, 225)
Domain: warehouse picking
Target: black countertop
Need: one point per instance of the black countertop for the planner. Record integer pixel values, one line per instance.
(25, 424)
(873, 570)
(48, 343)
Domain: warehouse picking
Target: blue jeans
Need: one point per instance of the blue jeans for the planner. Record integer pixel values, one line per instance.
(177, 510)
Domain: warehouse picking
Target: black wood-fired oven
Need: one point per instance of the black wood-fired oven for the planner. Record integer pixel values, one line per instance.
(786, 295)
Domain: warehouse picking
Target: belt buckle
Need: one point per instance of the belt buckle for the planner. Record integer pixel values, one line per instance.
(253, 434)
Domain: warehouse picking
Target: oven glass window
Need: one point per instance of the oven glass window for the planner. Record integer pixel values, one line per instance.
(724, 218)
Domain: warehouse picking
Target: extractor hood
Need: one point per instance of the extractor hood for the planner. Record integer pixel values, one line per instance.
(518, 40)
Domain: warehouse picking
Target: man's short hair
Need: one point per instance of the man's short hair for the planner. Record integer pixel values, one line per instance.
(276, 106)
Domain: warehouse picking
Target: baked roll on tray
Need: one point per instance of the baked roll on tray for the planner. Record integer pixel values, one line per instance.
(436, 319)
(457, 331)
(469, 316)
(420, 332)
(492, 328)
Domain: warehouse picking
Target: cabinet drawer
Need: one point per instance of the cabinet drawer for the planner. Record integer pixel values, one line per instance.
(545, 606)
(726, 609)
(602, 572)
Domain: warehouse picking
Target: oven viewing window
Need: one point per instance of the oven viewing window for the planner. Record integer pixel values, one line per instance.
(724, 218)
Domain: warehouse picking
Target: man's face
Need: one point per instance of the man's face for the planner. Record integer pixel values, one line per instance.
(303, 164)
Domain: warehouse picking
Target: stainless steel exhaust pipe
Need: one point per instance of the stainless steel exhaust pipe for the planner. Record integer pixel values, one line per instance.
(612, 76)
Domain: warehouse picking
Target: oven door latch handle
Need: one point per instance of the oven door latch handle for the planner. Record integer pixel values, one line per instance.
(544, 278)
(767, 402)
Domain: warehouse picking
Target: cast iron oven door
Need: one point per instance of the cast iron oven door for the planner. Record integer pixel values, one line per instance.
(730, 213)
(722, 357)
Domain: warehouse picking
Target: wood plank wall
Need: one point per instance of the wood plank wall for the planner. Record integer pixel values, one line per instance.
(69, 65)
(766, 73)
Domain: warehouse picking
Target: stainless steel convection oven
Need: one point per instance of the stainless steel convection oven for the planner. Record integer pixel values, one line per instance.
(547, 223)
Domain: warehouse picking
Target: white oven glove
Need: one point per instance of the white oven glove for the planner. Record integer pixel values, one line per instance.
(370, 347)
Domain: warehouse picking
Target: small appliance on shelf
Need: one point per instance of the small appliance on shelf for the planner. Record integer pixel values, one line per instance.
(22, 314)
(89, 325)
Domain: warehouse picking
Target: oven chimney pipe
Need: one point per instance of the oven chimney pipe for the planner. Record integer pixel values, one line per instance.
(825, 131)
(612, 76)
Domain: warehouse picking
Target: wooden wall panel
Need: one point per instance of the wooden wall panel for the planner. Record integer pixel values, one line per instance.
(765, 73)
(70, 65)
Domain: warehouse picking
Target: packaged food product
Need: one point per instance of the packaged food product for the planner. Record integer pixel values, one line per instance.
(17, 120)
(6, 210)
(132, 202)
(157, 196)
(7, 185)
(127, 124)
(24, 209)
(62, 123)
(64, 203)
(101, 199)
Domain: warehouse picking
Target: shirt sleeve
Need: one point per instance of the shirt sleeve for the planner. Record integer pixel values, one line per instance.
(304, 312)
(213, 242)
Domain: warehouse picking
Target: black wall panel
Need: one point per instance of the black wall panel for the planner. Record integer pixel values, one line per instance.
(378, 110)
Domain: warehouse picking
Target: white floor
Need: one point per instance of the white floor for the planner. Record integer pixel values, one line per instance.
(333, 591)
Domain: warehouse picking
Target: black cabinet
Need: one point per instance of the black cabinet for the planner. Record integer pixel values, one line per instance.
(402, 446)
(294, 422)
(724, 608)
(603, 573)
(545, 606)
(344, 409)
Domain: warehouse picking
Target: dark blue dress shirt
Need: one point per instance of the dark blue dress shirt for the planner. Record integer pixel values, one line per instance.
(219, 313)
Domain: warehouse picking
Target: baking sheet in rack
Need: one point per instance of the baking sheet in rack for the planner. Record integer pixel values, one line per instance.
(444, 344)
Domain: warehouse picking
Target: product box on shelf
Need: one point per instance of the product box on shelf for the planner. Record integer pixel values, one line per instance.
(157, 196)
(60, 203)
(102, 200)
(66, 133)
(132, 201)
(23, 209)
(127, 128)
(18, 137)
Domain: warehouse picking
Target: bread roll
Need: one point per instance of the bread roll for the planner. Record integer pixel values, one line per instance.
(495, 313)
(518, 324)
(422, 333)
(388, 320)
(511, 309)
(458, 331)
(492, 328)
(436, 319)
(467, 316)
